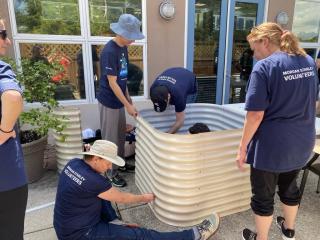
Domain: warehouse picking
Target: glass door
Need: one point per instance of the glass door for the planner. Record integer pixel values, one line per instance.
(207, 26)
(242, 17)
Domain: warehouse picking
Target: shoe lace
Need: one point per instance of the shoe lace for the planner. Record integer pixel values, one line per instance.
(116, 178)
(204, 227)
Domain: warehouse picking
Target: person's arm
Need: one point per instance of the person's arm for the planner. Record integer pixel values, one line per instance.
(122, 98)
(114, 195)
(128, 96)
(251, 124)
(12, 105)
(179, 122)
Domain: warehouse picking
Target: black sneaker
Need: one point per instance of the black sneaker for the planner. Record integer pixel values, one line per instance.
(118, 181)
(247, 234)
(127, 168)
(287, 234)
(209, 226)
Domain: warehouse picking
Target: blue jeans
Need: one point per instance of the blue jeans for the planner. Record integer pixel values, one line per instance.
(108, 231)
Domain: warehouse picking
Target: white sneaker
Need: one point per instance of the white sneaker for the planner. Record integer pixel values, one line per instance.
(209, 226)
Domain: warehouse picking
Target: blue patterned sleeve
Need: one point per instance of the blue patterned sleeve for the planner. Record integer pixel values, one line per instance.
(8, 79)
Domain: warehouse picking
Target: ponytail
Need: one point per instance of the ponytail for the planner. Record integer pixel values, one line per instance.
(284, 39)
(289, 43)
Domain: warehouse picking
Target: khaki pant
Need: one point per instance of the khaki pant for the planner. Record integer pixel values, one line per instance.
(113, 128)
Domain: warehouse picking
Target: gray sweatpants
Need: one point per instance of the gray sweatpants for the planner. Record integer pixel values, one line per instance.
(113, 128)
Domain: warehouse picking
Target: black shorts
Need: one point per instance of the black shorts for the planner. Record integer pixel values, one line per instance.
(264, 185)
(12, 211)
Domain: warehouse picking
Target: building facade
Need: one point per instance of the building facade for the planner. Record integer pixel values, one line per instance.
(205, 36)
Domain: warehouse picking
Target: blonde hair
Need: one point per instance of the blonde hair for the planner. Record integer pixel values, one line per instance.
(284, 39)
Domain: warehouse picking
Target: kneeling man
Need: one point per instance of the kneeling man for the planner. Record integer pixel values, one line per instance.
(83, 209)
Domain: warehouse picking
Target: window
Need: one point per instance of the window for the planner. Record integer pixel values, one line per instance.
(49, 30)
(306, 25)
(47, 17)
(68, 81)
(311, 52)
(102, 13)
(135, 69)
(306, 21)
(206, 45)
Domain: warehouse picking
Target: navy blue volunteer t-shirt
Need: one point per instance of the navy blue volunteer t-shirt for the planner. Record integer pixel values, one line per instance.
(285, 88)
(77, 206)
(180, 83)
(12, 174)
(114, 62)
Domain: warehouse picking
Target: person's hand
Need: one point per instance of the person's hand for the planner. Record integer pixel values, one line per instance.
(5, 136)
(241, 159)
(132, 110)
(148, 197)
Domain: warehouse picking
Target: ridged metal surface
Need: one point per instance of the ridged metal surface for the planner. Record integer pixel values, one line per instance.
(191, 175)
(72, 145)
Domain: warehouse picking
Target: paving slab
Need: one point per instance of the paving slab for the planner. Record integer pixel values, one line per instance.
(45, 234)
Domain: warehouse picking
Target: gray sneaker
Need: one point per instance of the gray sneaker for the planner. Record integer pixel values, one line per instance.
(208, 227)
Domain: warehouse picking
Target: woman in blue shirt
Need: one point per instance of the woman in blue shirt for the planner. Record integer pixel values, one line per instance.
(279, 129)
(13, 183)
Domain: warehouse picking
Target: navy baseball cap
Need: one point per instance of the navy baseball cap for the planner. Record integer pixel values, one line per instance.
(159, 97)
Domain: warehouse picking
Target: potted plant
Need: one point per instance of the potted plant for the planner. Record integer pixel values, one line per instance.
(35, 78)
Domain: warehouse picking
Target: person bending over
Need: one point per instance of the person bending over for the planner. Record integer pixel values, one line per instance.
(175, 86)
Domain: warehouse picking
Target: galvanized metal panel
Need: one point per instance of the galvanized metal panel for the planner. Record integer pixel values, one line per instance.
(72, 146)
(191, 175)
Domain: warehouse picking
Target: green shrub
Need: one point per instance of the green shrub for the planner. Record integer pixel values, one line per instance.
(35, 78)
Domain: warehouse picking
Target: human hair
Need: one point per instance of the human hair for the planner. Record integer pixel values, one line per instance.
(284, 39)
(88, 158)
(199, 128)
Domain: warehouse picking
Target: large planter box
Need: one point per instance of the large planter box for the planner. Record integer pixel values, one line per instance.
(191, 175)
(33, 154)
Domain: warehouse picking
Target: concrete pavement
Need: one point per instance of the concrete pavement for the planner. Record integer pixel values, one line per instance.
(38, 222)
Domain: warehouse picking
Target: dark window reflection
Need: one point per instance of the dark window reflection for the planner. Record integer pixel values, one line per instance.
(311, 52)
(66, 79)
(242, 56)
(206, 48)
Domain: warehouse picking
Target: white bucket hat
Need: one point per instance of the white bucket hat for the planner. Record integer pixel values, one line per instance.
(106, 150)
(128, 26)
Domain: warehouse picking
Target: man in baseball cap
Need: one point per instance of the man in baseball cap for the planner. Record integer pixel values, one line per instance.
(175, 86)
(83, 209)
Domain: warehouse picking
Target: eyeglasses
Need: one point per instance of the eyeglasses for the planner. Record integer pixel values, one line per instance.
(3, 34)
